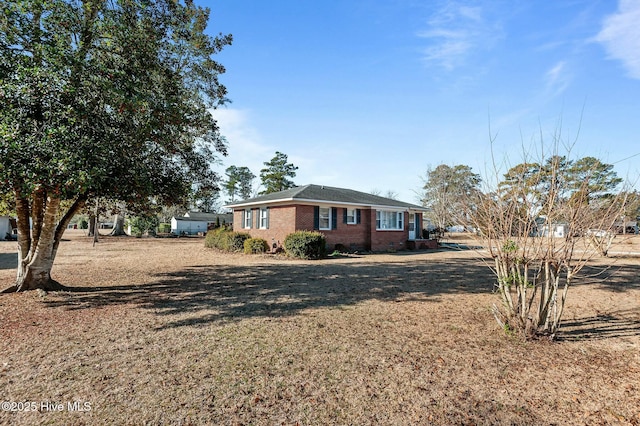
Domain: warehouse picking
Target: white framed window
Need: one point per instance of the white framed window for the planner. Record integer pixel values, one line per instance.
(324, 218)
(352, 217)
(389, 220)
(247, 219)
(264, 218)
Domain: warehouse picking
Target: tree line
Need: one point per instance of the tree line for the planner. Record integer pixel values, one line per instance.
(446, 189)
(276, 176)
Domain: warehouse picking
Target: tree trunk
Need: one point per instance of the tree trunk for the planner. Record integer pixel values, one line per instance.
(96, 227)
(118, 225)
(92, 224)
(34, 270)
(36, 274)
(37, 248)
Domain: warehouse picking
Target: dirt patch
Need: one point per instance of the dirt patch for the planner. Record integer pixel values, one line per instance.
(165, 331)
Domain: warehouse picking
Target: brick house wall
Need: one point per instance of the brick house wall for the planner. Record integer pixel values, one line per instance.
(284, 220)
(349, 236)
(388, 240)
(304, 218)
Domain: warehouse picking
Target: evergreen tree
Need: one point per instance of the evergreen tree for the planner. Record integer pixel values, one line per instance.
(239, 182)
(275, 175)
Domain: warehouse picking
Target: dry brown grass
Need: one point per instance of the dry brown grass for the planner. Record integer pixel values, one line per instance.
(164, 331)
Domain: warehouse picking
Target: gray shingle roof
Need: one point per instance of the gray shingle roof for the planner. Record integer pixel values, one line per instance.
(326, 194)
(208, 217)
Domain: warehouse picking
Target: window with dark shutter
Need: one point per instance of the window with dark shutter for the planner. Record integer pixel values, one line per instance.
(351, 216)
(264, 218)
(247, 217)
(325, 218)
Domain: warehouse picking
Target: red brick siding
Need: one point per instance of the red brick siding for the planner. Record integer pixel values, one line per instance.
(304, 218)
(422, 244)
(363, 236)
(389, 240)
(350, 236)
(237, 220)
(281, 224)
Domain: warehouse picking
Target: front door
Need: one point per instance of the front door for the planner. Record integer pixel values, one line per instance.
(412, 226)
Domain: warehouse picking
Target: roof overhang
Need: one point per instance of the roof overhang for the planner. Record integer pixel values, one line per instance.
(304, 201)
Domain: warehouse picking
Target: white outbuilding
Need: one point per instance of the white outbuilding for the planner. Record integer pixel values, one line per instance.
(194, 223)
(5, 227)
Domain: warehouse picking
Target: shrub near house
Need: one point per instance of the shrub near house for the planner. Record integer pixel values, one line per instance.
(306, 245)
(255, 246)
(223, 239)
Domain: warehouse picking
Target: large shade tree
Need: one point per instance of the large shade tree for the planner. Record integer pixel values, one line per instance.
(102, 98)
(445, 190)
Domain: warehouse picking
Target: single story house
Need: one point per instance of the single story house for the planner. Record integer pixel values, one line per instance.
(349, 219)
(193, 223)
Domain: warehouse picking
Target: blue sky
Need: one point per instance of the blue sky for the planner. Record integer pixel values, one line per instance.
(367, 94)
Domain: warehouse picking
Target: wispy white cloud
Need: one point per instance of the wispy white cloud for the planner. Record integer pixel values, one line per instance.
(620, 35)
(557, 79)
(555, 73)
(454, 31)
(246, 145)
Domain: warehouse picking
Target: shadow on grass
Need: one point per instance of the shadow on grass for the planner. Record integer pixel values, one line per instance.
(619, 277)
(206, 294)
(604, 326)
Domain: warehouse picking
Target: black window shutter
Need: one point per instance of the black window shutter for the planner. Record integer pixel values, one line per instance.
(316, 217)
(358, 216)
(344, 216)
(334, 218)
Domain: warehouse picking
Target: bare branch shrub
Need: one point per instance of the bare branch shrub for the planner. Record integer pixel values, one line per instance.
(541, 225)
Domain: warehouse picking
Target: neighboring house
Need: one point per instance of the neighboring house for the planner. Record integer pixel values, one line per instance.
(557, 230)
(349, 219)
(7, 225)
(544, 229)
(193, 223)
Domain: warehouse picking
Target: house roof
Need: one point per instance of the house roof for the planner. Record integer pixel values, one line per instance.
(325, 194)
(207, 217)
(188, 219)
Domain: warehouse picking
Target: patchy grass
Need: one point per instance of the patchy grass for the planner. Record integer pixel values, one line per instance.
(164, 331)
